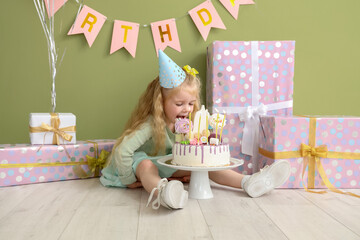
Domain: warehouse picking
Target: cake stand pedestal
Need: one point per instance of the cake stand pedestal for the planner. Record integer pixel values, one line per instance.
(199, 187)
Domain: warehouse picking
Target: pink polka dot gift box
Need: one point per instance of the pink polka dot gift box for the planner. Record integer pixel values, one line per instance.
(26, 164)
(246, 80)
(324, 152)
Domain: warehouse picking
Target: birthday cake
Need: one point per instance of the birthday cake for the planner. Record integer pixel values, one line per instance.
(196, 145)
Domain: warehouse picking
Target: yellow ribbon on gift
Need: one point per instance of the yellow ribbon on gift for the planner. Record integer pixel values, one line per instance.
(311, 156)
(55, 123)
(95, 163)
(190, 70)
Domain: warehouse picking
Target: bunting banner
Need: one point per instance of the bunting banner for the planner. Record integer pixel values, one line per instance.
(52, 6)
(206, 17)
(89, 22)
(165, 34)
(125, 35)
(233, 6)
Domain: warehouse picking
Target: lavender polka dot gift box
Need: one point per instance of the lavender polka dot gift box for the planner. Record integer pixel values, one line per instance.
(324, 152)
(246, 80)
(26, 164)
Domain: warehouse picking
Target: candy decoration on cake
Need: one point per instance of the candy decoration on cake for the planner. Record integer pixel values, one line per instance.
(182, 127)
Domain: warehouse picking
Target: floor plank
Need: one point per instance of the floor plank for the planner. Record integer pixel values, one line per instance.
(105, 213)
(345, 209)
(45, 212)
(232, 214)
(300, 219)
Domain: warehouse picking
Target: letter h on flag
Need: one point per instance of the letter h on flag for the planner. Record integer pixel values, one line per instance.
(165, 34)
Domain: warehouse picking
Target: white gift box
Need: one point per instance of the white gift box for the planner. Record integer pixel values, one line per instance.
(52, 128)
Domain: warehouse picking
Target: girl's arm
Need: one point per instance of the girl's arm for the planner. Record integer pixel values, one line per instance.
(124, 153)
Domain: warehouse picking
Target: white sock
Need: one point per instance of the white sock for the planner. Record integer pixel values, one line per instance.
(245, 178)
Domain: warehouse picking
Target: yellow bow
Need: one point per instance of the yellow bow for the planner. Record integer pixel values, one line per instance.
(96, 164)
(56, 131)
(190, 70)
(307, 151)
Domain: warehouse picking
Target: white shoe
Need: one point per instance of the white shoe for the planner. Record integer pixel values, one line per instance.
(170, 195)
(267, 179)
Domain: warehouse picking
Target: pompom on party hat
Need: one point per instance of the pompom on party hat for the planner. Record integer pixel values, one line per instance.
(170, 74)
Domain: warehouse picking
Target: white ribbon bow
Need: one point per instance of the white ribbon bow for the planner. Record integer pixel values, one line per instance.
(251, 119)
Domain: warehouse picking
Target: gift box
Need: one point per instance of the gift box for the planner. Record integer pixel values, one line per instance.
(25, 163)
(324, 152)
(246, 80)
(52, 128)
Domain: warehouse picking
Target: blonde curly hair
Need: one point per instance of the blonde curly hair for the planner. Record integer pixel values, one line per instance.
(151, 105)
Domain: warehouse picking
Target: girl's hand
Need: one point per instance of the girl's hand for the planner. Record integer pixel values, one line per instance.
(135, 185)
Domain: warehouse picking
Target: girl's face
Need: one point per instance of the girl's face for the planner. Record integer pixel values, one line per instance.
(178, 105)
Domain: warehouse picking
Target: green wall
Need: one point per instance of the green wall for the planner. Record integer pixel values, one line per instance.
(101, 89)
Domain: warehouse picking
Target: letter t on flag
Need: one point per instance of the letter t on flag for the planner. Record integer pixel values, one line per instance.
(233, 6)
(205, 17)
(89, 22)
(125, 34)
(165, 34)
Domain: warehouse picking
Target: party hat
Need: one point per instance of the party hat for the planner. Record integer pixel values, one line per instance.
(170, 74)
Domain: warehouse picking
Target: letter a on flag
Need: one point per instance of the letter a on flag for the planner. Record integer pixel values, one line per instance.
(233, 6)
(89, 22)
(205, 17)
(165, 34)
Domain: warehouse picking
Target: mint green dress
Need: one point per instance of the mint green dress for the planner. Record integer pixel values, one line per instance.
(134, 148)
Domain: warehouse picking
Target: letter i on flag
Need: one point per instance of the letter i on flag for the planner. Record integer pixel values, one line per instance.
(233, 6)
(205, 17)
(89, 22)
(52, 6)
(165, 34)
(125, 34)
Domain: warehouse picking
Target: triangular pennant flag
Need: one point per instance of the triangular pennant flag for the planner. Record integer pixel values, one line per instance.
(125, 34)
(165, 34)
(89, 22)
(52, 6)
(205, 17)
(233, 6)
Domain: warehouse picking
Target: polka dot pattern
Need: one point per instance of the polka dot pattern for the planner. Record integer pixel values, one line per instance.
(230, 77)
(338, 134)
(27, 154)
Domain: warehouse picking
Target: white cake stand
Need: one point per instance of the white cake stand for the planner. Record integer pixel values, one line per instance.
(199, 187)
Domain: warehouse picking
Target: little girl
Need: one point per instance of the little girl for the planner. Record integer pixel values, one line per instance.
(149, 136)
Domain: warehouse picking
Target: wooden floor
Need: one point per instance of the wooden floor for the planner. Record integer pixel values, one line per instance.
(84, 209)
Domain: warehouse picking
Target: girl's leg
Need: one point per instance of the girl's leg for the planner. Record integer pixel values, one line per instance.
(148, 174)
(227, 177)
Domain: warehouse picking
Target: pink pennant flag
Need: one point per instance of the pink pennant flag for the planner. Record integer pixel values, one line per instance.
(233, 6)
(125, 34)
(89, 22)
(205, 17)
(52, 6)
(165, 34)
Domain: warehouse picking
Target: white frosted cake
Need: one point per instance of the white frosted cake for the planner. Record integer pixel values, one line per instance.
(201, 155)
